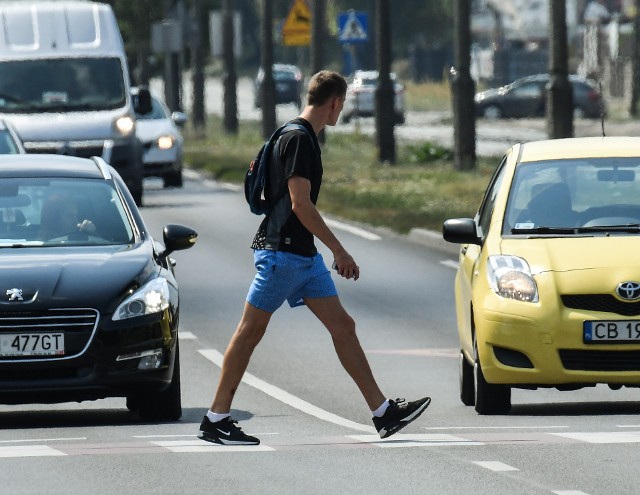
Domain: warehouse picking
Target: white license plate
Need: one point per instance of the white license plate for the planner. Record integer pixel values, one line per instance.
(31, 344)
(612, 331)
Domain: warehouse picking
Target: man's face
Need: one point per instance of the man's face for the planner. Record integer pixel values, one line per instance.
(336, 107)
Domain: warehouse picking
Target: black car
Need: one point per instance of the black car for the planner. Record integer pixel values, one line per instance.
(88, 298)
(288, 82)
(527, 97)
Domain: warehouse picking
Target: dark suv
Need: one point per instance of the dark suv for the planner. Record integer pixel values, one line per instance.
(527, 97)
(288, 83)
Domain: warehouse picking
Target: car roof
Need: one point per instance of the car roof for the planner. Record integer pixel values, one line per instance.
(584, 147)
(42, 165)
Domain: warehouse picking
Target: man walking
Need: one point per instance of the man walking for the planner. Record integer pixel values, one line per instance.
(289, 268)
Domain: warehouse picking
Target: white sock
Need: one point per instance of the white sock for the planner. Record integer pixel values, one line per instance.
(381, 410)
(215, 417)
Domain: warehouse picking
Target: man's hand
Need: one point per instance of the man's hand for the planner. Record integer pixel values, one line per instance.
(346, 266)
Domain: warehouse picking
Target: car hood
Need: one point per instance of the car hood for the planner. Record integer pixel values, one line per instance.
(580, 264)
(489, 93)
(84, 277)
(74, 126)
(148, 130)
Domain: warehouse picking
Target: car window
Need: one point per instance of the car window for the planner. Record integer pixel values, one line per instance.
(574, 193)
(7, 144)
(488, 202)
(530, 90)
(157, 112)
(62, 212)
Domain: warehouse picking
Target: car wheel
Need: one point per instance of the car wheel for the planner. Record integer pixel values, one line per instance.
(173, 178)
(492, 112)
(467, 387)
(164, 405)
(490, 398)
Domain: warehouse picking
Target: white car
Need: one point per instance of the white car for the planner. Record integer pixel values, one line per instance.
(162, 142)
(361, 96)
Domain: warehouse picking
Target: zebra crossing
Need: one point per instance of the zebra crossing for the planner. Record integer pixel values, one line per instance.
(180, 444)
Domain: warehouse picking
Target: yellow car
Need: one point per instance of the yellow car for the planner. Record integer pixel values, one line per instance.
(548, 285)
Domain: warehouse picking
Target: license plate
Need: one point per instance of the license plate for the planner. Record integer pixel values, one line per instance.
(614, 331)
(31, 344)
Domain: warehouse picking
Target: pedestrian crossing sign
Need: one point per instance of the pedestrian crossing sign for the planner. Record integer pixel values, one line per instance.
(296, 29)
(352, 27)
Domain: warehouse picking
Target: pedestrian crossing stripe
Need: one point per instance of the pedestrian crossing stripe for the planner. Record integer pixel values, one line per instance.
(200, 446)
(192, 444)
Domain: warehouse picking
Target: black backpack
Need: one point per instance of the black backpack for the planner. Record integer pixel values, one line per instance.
(256, 189)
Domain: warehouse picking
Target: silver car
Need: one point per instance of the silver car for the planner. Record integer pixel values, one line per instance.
(361, 96)
(161, 139)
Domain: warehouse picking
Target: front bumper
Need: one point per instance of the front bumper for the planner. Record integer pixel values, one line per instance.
(96, 372)
(548, 350)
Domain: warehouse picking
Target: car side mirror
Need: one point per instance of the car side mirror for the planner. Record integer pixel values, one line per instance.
(460, 231)
(142, 101)
(177, 238)
(179, 118)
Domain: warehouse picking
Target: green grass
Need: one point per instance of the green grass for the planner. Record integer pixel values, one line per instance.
(421, 189)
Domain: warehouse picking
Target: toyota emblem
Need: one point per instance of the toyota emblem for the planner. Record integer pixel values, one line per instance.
(629, 290)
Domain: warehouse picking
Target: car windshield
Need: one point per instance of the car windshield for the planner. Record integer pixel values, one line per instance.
(55, 85)
(157, 112)
(575, 197)
(38, 212)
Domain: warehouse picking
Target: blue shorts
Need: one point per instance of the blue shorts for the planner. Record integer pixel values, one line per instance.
(285, 276)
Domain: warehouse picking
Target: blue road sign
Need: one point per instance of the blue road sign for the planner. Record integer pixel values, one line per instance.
(352, 27)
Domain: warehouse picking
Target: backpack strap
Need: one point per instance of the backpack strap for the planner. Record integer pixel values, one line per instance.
(289, 126)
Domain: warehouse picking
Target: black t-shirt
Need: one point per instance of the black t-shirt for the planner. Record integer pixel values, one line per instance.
(297, 155)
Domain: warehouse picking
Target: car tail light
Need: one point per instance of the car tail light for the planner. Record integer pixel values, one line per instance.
(593, 95)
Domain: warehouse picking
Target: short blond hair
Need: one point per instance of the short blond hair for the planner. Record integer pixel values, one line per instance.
(325, 85)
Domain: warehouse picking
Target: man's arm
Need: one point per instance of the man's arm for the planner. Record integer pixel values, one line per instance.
(307, 213)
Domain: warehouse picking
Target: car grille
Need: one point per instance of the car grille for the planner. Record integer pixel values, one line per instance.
(78, 325)
(82, 149)
(600, 360)
(605, 303)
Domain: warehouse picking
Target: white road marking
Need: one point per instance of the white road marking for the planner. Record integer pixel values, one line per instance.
(40, 440)
(352, 229)
(414, 440)
(187, 336)
(200, 446)
(496, 466)
(603, 437)
(291, 400)
(569, 492)
(450, 264)
(29, 451)
(491, 427)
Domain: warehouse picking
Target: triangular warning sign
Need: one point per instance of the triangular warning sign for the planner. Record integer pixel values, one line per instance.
(298, 20)
(353, 29)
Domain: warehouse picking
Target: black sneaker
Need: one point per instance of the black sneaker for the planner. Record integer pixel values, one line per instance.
(225, 432)
(398, 415)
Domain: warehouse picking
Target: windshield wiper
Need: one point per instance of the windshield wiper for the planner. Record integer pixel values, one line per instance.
(545, 230)
(630, 227)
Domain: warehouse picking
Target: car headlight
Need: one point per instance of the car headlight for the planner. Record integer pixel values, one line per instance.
(125, 125)
(151, 298)
(165, 142)
(510, 277)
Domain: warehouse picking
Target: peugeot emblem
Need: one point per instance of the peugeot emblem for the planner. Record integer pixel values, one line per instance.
(14, 294)
(629, 290)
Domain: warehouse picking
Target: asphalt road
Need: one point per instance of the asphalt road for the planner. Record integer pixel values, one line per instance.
(316, 432)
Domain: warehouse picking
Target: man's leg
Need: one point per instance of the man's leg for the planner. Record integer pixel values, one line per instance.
(248, 334)
(342, 328)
